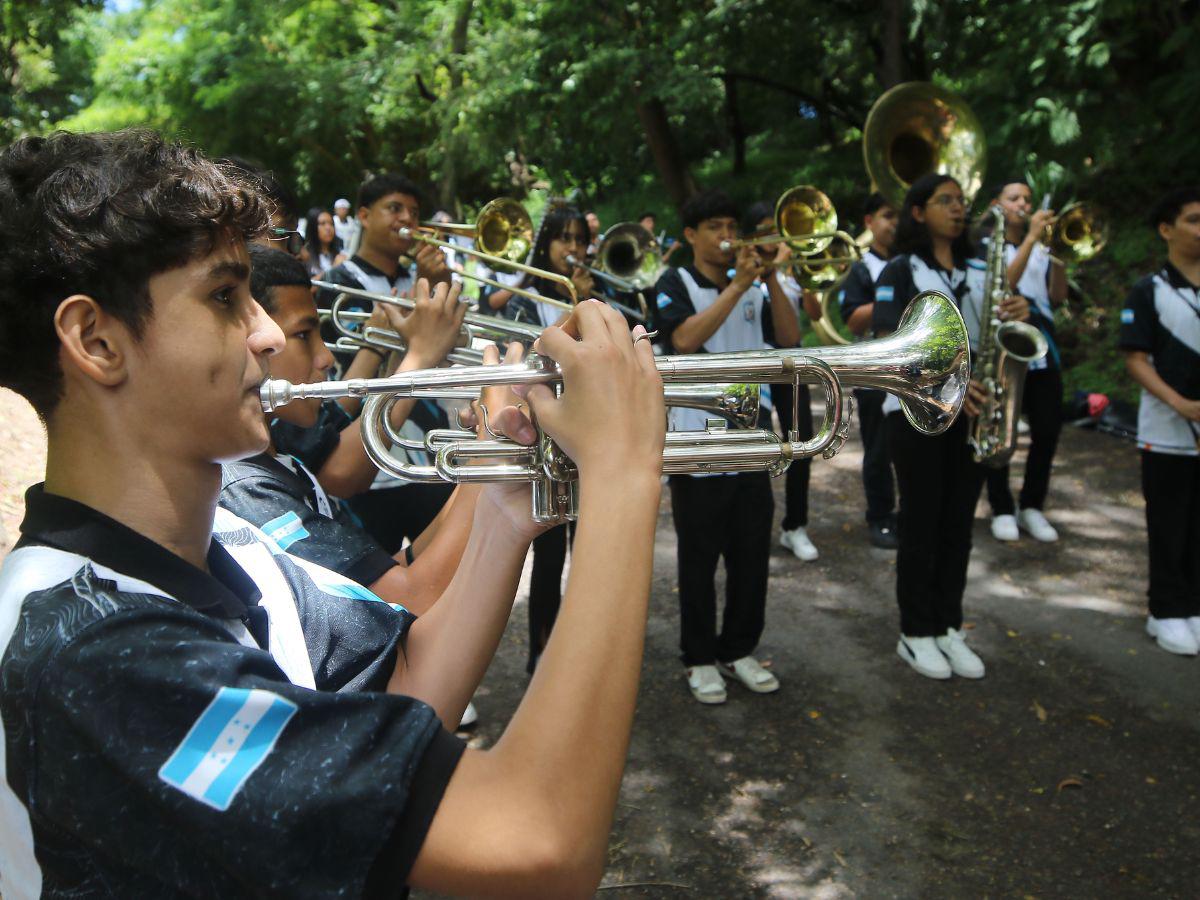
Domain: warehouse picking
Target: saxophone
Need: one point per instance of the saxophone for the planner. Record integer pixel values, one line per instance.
(1005, 351)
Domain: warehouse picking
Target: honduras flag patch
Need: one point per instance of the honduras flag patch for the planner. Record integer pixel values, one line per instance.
(226, 744)
(663, 300)
(885, 293)
(1127, 317)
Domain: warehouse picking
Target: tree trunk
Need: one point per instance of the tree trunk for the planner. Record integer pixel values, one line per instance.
(733, 121)
(891, 66)
(671, 168)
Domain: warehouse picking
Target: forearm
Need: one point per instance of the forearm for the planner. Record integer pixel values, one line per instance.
(438, 550)
(499, 299)
(449, 648)
(1143, 372)
(783, 314)
(690, 334)
(860, 319)
(365, 364)
(1058, 282)
(587, 678)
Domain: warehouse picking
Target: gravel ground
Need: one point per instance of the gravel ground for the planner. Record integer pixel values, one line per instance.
(1069, 771)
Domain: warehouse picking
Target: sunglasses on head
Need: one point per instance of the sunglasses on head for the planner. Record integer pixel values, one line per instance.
(286, 239)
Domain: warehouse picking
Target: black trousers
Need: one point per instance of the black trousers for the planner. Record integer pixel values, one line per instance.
(726, 516)
(1171, 485)
(877, 461)
(545, 586)
(795, 486)
(393, 514)
(939, 484)
(1042, 404)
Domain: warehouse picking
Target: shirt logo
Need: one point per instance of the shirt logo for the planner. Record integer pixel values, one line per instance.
(748, 307)
(663, 301)
(1127, 317)
(226, 744)
(286, 530)
(885, 293)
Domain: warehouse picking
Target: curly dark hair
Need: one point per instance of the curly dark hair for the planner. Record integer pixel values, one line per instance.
(100, 214)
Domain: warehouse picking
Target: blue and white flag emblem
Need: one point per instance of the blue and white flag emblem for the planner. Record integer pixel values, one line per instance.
(884, 293)
(226, 744)
(285, 530)
(663, 300)
(1127, 317)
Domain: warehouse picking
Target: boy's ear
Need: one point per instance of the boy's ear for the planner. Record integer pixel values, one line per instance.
(1165, 230)
(689, 235)
(92, 340)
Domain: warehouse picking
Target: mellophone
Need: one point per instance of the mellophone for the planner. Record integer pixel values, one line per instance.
(925, 363)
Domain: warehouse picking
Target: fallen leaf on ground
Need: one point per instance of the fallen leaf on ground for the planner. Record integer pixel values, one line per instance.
(1069, 781)
(1092, 717)
(1039, 711)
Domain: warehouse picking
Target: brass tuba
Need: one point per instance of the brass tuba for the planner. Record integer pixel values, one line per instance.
(917, 128)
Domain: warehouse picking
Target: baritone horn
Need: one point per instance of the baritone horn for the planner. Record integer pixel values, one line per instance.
(917, 128)
(925, 362)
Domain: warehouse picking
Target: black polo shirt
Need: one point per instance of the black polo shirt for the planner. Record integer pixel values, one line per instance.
(1161, 317)
(154, 750)
(293, 510)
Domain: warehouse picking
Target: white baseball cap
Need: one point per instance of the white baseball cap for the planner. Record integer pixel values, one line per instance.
(342, 202)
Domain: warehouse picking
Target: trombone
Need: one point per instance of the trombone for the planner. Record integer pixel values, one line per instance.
(805, 219)
(1078, 234)
(504, 232)
(925, 362)
(628, 258)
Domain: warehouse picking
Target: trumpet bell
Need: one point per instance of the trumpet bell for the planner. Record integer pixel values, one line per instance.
(805, 210)
(1079, 234)
(917, 128)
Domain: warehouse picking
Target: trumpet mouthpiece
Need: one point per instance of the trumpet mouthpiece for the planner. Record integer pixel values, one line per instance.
(274, 393)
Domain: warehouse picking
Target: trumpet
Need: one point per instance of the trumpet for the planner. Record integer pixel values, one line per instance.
(475, 325)
(805, 219)
(925, 362)
(504, 231)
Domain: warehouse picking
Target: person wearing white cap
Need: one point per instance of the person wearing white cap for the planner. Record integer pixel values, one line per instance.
(343, 225)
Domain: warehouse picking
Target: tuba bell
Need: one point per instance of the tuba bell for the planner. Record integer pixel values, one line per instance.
(917, 128)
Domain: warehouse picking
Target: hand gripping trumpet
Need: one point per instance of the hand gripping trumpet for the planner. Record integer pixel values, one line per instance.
(925, 362)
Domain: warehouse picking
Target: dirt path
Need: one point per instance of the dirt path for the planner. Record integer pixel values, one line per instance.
(1070, 771)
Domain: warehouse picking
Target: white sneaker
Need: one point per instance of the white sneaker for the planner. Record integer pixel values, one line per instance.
(749, 672)
(1173, 635)
(706, 684)
(469, 717)
(797, 541)
(922, 654)
(1035, 523)
(1194, 624)
(1004, 528)
(963, 660)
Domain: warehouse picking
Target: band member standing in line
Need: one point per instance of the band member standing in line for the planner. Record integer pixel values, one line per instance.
(168, 668)
(702, 308)
(857, 306)
(1035, 274)
(939, 481)
(783, 288)
(1160, 334)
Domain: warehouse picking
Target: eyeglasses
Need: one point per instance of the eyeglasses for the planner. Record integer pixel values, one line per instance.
(287, 239)
(946, 200)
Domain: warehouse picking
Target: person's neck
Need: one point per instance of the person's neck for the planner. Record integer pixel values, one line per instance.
(1014, 232)
(167, 499)
(717, 273)
(881, 251)
(1188, 266)
(943, 252)
(384, 262)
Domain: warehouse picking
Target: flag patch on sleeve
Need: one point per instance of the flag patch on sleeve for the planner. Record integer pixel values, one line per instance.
(226, 744)
(885, 293)
(663, 300)
(285, 530)
(1127, 317)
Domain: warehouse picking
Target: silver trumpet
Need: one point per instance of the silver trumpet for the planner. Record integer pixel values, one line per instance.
(925, 362)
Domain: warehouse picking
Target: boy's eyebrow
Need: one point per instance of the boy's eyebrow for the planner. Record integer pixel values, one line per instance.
(229, 268)
(311, 321)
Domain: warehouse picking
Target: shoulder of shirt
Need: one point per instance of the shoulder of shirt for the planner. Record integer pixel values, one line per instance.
(1144, 285)
(249, 470)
